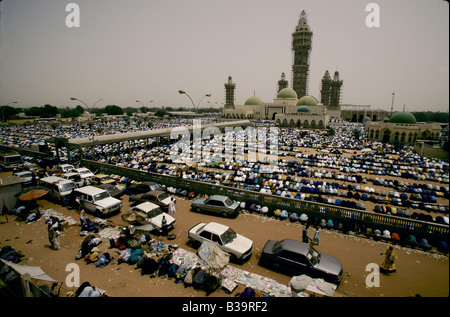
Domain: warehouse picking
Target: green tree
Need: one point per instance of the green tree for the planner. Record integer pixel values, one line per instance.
(160, 113)
(6, 112)
(113, 110)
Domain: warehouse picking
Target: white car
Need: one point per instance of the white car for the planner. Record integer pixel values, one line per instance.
(66, 168)
(238, 246)
(26, 175)
(97, 201)
(153, 216)
(85, 174)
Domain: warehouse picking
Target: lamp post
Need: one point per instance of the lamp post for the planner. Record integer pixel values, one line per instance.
(87, 107)
(182, 92)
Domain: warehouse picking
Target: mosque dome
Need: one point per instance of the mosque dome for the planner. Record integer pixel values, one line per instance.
(307, 101)
(254, 101)
(403, 117)
(287, 93)
(303, 109)
(366, 118)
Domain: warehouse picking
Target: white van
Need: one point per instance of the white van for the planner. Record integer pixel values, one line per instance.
(58, 188)
(97, 201)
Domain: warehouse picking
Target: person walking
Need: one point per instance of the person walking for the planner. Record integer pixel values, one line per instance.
(305, 237)
(56, 234)
(172, 209)
(164, 226)
(388, 265)
(315, 239)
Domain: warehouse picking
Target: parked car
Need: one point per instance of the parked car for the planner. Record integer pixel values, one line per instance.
(66, 167)
(143, 187)
(216, 204)
(97, 201)
(297, 258)
(238, 246)
(149, 213)
(112, 190)
(85, 173)
(157, 197)
(27, 175)
(58, 188)
(74, 177)
(102, 179)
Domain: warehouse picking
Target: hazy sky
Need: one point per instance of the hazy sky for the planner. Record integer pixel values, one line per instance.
(147, 50)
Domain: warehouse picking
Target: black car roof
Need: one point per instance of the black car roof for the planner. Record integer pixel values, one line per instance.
(294, 246)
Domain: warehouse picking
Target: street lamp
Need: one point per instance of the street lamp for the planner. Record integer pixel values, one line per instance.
(181, 92)
(87, 107)
(73, 98)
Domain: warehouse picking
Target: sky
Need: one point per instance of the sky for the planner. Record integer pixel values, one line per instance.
(148, 50)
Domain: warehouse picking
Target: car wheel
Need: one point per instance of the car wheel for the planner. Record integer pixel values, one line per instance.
(276, 266)
(225, 214)
(198, 209)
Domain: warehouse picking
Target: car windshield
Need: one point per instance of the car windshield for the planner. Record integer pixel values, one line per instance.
(163, 196)
(101, 195)
(228, 202)
(67, 187)
(313, 256)
(228, 236)
(155, 212)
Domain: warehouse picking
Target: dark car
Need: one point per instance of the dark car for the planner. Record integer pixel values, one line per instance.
(297, 258)
(112, 190)
(143, 187)
(157, 197)
(217, 204)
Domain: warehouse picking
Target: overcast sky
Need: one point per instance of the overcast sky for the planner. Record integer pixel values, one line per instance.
(147, 50)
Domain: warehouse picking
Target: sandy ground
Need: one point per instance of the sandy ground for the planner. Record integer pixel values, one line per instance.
(418, 272)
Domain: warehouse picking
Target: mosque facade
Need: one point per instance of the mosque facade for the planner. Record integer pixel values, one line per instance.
(402, 128)
(292, 107)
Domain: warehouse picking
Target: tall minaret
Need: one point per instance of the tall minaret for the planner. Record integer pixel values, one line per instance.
(229, 93)
(335, 91)
(325, 89)
(283, 83)
(301, 47)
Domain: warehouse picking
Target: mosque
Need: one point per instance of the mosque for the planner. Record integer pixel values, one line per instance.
(292, 107)
(402, 128)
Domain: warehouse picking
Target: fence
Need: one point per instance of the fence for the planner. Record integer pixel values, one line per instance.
(349, 217)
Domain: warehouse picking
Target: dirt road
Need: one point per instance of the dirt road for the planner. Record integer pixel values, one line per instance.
(418, 272)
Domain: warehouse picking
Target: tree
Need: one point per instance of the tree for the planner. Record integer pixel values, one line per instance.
(356, 134)
(7, 112)
(331, 132)
(113, 110)
(160, 113)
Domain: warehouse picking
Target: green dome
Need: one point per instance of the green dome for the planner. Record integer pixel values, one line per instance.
(307, 101)
(254, 101)
(287, 93)
(303, 109)
(403, 117)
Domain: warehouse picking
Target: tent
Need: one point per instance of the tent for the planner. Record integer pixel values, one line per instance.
(311, 285)
(213, 256)
(35, 275)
